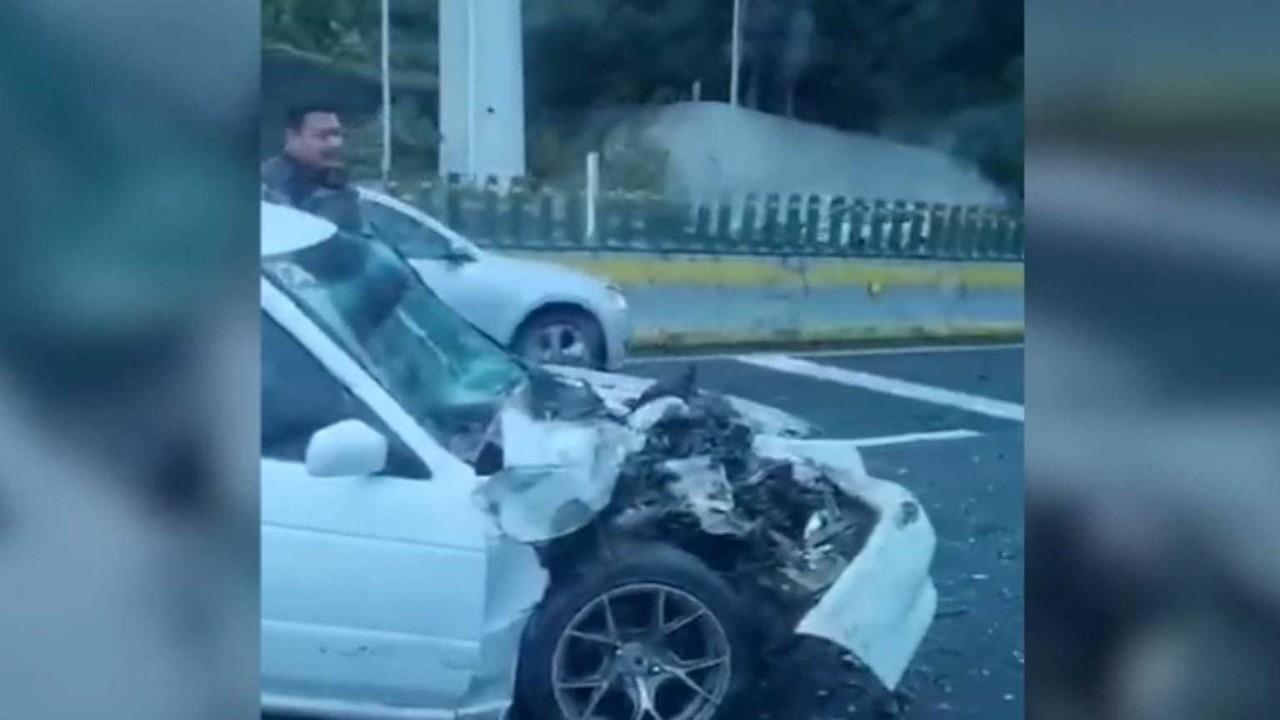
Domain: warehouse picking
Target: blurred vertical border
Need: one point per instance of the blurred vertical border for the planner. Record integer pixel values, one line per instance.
(129, 359)
(1153, 360)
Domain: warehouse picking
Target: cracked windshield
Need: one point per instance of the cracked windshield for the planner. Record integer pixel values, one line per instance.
(367, 298)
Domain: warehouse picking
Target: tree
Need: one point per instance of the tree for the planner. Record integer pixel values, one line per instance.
(622, 51)
(850, 64)
(348, 33)
(779, 44)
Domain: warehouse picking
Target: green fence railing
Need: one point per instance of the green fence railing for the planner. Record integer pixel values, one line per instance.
(520, 217)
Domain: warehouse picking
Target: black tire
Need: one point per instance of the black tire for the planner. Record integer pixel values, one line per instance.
(529, 338)
(632, 565)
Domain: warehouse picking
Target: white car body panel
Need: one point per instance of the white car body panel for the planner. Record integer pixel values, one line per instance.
(496, 293)
(353, 609)
(559, 474)
(290, 229)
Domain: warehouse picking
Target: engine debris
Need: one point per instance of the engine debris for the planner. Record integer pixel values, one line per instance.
(791, 528)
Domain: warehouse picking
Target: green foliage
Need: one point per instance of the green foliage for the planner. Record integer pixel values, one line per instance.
(844, 63)
(350, 29)
(338, 28)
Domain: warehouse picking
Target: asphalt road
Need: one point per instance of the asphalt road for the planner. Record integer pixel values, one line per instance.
(970, 665)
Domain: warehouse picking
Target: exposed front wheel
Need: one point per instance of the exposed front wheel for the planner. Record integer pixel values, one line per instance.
(651, 635)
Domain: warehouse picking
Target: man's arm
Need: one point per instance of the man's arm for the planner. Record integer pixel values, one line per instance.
(341, 207)
(275, 181)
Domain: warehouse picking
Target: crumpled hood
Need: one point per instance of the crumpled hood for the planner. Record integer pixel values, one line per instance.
(800, 525)
(618, 391)
(561, 454)
(565, 438)
(558, 474)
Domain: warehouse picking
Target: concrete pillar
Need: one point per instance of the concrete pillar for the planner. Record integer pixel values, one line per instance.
(482, 88)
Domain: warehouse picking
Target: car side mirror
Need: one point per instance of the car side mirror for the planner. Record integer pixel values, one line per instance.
(459, 254)
(345, 449)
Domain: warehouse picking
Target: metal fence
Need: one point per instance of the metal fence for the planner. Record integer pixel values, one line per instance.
(518, 216)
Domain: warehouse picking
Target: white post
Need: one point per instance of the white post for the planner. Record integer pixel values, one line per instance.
(593, 190)
(697, 90)
(736, 53)
(481, 88)
(386, 92)
(471, 90)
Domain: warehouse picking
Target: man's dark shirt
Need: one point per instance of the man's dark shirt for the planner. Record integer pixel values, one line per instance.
(320, 192)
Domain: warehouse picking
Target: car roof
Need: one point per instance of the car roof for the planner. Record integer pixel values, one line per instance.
(286, 229)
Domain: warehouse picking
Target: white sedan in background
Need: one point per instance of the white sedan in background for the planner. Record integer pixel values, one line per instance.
(543, 312)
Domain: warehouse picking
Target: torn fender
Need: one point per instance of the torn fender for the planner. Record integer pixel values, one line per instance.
(559, 474)
(882, 604)
(515, 582)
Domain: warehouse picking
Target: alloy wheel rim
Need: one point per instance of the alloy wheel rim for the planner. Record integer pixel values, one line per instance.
(560, 343)
(642, 652)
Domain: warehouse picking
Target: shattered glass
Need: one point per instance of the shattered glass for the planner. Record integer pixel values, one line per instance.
(448, 374)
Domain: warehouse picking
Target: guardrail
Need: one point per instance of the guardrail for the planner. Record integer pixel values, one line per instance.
(518, 216)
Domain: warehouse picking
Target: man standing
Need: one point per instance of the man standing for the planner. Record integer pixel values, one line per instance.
(311, 173)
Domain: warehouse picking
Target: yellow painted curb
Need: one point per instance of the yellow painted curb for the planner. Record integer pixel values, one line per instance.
(686, 340)
(740, 272)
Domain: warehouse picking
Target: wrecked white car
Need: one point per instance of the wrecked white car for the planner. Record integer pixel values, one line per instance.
(449, 533)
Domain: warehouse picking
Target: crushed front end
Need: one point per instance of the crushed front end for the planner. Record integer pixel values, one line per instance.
(796, 526)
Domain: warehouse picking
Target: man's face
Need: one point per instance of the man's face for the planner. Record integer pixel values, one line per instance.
(318, 143)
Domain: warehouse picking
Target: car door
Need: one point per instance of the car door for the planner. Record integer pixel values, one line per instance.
(471, 288)
(372, 587)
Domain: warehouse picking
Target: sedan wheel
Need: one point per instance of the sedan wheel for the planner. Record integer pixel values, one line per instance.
(562, 338)
(642, 652)
(647, 633)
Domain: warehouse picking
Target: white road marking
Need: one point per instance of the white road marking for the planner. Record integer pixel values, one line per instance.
(853, 352)
(915, 437)
(890, 386)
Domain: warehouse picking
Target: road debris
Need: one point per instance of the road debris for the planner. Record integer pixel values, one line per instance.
(952, 612)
